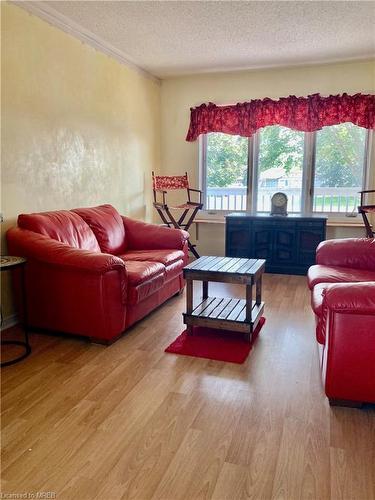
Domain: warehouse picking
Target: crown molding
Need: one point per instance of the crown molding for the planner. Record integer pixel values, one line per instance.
(58, 20)
(269, 67)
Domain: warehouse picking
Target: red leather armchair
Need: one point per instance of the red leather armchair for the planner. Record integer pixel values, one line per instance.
(342, 284)
(94, 273)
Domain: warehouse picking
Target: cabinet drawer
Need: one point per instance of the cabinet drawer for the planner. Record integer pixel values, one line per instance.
(311, 224)
(234, 222)
(274, 225)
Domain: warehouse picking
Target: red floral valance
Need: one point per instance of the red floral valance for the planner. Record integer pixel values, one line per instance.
(298, 113)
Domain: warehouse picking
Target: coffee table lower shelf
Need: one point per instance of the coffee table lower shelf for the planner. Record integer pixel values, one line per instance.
(225, 314)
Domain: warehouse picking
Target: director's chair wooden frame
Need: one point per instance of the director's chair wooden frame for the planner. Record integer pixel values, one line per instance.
(365, 209)
(161, 184)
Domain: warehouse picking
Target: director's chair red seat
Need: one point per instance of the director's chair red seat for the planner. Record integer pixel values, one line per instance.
(364, 209)
(161, 184)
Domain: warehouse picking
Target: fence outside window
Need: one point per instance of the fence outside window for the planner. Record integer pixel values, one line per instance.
(325, 199)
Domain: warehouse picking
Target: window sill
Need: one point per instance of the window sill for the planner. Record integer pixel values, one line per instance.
(335, 223)
(330, 223)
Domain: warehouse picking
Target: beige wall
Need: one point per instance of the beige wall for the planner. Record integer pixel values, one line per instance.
(178, 95)
(78, 128)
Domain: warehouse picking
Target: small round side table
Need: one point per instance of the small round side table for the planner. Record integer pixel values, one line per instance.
(8, 263)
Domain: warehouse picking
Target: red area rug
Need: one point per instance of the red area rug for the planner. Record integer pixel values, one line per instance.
(214, 344)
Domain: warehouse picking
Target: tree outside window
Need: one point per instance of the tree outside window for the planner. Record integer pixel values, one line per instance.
(339, 153)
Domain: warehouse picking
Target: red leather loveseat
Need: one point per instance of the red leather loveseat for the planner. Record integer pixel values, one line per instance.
(93, 272)
(342, 285)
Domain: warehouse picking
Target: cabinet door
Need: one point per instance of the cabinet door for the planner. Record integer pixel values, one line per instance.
(238, 241)
(309, 235)
(284, 247)
(262, 241)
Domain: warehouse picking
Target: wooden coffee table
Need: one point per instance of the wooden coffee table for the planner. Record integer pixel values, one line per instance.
(238, 315)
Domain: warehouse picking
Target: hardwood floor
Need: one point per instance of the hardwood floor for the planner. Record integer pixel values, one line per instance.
(130, 422)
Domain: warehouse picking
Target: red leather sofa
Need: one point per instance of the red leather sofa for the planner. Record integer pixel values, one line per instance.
(342, 285)
(93, 272)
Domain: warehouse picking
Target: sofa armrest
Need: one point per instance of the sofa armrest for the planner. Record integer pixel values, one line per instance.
(351, 252)
(71, 290)
(348, 363)
(41, 248)
(351, 298)
(144, 236)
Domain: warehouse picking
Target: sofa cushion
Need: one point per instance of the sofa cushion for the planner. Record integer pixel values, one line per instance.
(356, 253)
(62, 225)
(144, 278)
(144, 236)
(335, 274)
(107, 226)
(174, 270)
(166, 257)
(139, 272)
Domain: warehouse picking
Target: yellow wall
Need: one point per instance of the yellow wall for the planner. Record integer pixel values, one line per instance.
(178, 95)
(78, 128)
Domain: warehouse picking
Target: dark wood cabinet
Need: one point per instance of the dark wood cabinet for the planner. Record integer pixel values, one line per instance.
(287, 243)
(238, 238)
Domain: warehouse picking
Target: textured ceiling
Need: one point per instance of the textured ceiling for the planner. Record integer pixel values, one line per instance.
(169, 38)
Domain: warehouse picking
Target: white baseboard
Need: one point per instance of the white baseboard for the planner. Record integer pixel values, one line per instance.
(9, 321)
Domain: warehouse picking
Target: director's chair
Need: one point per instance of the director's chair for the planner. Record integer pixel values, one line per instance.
(364, 209)
(161, 184)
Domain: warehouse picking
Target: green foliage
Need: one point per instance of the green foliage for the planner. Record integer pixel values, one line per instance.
(280, 147)
(339, 155)
(226, 160)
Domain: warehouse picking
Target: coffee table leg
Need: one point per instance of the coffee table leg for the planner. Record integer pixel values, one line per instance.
(249, 302)
(249, 306)
(189, 303)
(258, 299)
(205, 289)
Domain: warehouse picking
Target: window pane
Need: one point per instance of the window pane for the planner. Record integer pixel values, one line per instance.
(340, 152)
(226, 180)
(280, 166)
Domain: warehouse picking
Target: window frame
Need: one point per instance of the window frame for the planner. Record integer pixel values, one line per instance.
(308, 176)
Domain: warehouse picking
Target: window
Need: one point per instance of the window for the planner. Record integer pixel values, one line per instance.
(280, 167)
(319, 171)
(227, 167)
(339, 168)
